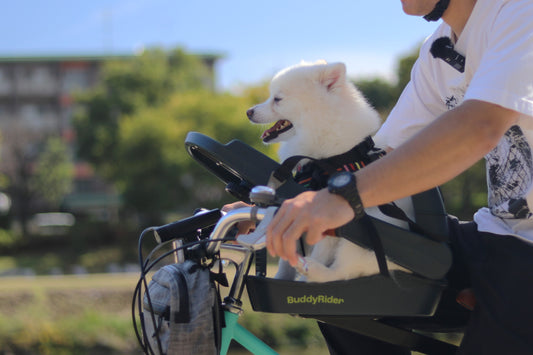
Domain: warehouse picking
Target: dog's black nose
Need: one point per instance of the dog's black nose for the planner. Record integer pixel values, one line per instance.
(250, 113)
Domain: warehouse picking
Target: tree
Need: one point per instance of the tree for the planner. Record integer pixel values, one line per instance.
(403, 70)
(128, 85)
(157, 174)
(38, 175)
(379, 92)
(53, 173)
(17, 161)
(133, 126)
(383, 94)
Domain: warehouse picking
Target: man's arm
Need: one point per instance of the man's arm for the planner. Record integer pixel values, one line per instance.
(438, 153)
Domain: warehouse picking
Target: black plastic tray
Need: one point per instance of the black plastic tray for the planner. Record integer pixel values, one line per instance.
(373, 296)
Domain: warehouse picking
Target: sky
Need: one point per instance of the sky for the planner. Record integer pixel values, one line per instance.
(255, 38)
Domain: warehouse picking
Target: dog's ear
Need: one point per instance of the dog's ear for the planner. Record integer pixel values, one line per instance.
(333, 75)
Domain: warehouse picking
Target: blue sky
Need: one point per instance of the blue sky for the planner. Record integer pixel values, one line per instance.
(256, 38)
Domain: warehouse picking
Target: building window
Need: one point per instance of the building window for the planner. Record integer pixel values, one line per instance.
(36, 80)
(40, 116)
(5, 82)
(30, 113)
(75, 79)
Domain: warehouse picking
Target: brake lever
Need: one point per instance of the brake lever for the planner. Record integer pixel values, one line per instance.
(257, 239)
(263, 197)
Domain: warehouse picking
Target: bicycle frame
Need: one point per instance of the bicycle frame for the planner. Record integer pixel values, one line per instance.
(235, 331)
(242, 257)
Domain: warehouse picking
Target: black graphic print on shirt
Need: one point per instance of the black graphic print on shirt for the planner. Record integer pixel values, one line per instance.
(509, 174)
(509, 169)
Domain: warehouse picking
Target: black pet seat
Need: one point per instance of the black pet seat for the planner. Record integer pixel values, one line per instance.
(382, 307)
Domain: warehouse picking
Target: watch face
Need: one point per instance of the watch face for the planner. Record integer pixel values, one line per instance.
(341, 180)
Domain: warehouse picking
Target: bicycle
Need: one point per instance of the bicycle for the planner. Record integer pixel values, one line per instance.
(400, 308)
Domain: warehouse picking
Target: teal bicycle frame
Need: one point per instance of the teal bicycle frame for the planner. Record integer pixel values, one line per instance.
(235, 331)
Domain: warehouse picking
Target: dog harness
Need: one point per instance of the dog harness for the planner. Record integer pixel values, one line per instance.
(314, 174)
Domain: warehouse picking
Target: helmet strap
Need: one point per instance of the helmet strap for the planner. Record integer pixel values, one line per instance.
(438, 11)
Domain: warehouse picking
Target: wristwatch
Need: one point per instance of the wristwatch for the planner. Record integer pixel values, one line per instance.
(344, 184)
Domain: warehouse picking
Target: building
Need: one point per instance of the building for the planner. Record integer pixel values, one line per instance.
(36, 100)
(36, 92)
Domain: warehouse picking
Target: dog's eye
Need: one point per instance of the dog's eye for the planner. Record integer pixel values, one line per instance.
(277, 100)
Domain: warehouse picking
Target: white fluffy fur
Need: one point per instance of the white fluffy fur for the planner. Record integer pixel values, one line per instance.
(329, 117)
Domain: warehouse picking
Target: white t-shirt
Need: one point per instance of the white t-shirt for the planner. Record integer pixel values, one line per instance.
(497, 42)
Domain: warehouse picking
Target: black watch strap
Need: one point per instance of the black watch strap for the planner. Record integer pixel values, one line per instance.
(345, 184)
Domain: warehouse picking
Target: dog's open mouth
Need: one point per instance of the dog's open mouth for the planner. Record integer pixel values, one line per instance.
(274, 131)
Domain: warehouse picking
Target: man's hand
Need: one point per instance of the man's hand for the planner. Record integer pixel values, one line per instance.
(311, 212)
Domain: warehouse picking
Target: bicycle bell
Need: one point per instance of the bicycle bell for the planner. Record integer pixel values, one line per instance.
(263, 195)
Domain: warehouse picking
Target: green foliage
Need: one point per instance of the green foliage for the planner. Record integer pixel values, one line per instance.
(155, 173)
(382, 93)
(92, 315)
(52, 178)
(3, 178)
(256, 94)
(133, 126)
(379, 92)
(66, 322)
(8, 240)
(128, 85)
(97, 129)
(403, 71)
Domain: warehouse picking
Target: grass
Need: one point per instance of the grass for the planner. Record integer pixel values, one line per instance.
(66, 315)
(90, 314)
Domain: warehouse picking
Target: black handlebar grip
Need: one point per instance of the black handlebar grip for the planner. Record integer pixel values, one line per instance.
(187, 227)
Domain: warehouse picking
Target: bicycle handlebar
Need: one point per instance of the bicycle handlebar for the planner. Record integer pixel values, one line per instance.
(188, 227)
(225, 223)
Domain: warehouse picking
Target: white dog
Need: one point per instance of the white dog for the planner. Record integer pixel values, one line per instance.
(318, 113)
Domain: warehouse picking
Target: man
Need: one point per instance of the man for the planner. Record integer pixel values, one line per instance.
(475, 101)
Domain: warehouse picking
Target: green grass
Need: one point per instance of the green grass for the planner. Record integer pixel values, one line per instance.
(67, 314)
(90, 314)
